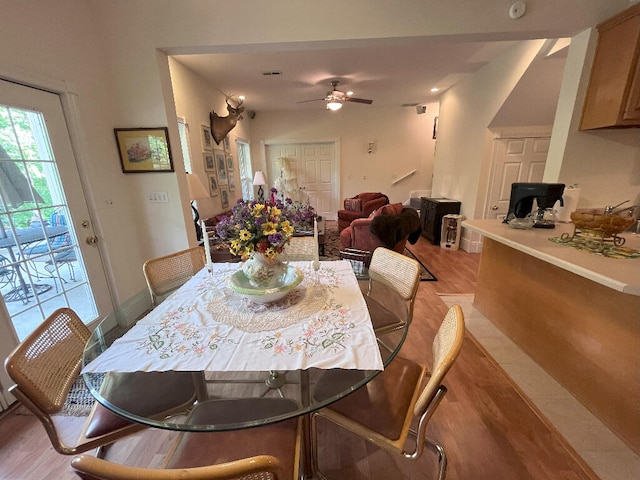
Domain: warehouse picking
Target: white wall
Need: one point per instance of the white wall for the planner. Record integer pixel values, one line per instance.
(194, 99)
(403, 142)
(466, 111)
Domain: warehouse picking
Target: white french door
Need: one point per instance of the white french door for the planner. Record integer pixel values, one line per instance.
(48, 254)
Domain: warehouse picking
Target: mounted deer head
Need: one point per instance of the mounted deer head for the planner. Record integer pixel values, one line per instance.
(221, 126)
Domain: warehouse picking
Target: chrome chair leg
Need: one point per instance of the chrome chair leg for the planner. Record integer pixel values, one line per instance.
(442, 457)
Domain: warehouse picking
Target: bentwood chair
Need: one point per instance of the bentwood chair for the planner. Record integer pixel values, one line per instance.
(169, 272)
(400, 273)
(253, 468)
(44, 368)
(383, 410)
(266, 452)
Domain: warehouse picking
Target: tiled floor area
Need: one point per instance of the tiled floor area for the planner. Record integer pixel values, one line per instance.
(607, 455)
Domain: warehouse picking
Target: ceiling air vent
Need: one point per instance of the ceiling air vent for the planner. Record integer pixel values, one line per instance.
(273, 73)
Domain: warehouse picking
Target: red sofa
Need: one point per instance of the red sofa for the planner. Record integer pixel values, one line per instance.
(360, 206)
(358, 235)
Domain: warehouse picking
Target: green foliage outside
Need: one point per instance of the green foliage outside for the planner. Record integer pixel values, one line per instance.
(16, 137)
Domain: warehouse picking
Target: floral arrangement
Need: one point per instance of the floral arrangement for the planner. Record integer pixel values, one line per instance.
(253, 226)
(300, 214)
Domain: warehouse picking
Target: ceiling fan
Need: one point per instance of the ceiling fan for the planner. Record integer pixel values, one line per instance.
(335, 98)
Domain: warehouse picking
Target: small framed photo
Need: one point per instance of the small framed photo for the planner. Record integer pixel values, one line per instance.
(207, 138)
(229, 162)
(144, 150)
(221, 168)
(224, 197)
(213, 185)
(227, 144)
(232, 182)
(209, 163)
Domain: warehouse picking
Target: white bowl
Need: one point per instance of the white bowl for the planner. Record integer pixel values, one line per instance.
(289, 280)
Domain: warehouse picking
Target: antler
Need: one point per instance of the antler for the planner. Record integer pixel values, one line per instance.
(237, 102)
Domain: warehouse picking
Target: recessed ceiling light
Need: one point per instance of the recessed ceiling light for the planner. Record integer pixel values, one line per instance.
(349, 93)
(435, 89)
(241, 97)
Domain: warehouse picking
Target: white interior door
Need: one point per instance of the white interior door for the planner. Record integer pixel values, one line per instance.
(318, 176)
(41, 194)
(315, 171)
(514, 160)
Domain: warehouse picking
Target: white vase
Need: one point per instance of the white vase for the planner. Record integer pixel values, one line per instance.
(263, 272)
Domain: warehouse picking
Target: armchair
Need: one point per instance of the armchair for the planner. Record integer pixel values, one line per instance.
(360, 206)
(390, 227)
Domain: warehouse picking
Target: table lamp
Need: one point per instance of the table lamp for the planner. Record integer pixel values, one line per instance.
(196, 191)
(260, 180)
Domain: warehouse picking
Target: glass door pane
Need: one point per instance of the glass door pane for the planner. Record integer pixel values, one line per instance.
(41, 265)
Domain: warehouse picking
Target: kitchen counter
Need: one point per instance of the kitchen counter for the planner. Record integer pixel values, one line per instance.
(575, 313)
(620, 274)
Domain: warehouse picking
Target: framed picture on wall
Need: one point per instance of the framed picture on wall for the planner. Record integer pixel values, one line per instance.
(209, 163)
(207, 138)
(224, 197)
(213, 185)
(229, 162)
(221, 167)
(144, 150)
(232, 182)
(227, 144)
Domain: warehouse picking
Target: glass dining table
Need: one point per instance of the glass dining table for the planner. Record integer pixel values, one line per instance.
(307, 381)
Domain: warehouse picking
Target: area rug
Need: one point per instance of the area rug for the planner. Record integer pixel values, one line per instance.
(425, 274)
(78, 404)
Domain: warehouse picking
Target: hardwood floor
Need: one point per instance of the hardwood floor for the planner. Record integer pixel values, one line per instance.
(490, 432)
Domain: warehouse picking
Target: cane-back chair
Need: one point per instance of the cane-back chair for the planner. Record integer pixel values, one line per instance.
(268, 452)
(383, 410)
(400, 273)
(169, 272)
(47, 363)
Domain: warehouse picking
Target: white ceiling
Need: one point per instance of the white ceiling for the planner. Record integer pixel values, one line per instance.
(392, 73)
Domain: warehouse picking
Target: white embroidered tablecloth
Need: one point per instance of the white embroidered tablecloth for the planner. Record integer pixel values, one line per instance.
(206, 326)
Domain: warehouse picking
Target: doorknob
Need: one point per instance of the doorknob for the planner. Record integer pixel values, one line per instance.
(91, 240)
(494, 207)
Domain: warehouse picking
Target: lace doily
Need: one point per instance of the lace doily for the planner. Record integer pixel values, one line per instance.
(231, 309)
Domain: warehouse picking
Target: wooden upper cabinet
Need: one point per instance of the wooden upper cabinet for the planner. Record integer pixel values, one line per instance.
(613, 95)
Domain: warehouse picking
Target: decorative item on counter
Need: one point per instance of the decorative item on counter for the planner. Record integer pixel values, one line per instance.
(596, 227)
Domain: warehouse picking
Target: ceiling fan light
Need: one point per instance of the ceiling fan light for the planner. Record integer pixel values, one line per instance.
(334, 104)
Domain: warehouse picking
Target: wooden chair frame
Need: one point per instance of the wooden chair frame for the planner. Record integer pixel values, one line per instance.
(424, 400)
(91, 468)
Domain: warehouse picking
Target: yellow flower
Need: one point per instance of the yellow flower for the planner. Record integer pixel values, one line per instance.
(268, 228)
(257, 209)
(275, 211)
(244, 235)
